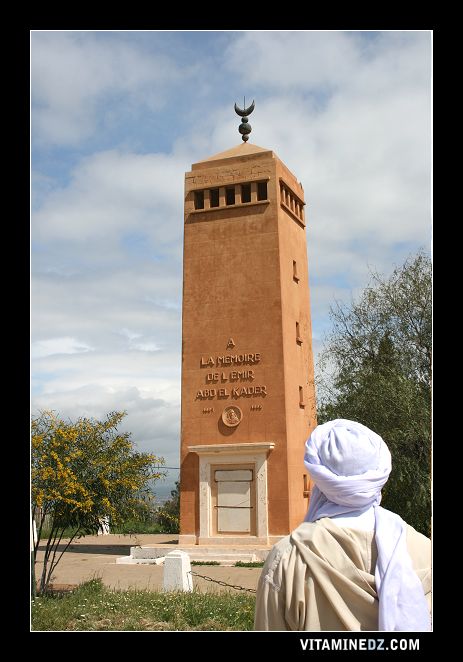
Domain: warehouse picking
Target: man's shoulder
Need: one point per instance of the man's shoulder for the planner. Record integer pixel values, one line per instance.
(413, 535)
(301, 532)
(305, 533)
(419, 547)
(278, 550)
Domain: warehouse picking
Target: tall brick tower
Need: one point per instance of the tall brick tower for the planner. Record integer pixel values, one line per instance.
(248, 399)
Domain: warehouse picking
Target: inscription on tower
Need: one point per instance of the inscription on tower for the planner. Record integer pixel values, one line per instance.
(230, 377)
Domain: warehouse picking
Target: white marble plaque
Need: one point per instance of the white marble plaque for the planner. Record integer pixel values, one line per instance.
(233, 474)
(233, 504)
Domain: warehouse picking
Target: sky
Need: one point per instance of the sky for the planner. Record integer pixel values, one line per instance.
(119, 117)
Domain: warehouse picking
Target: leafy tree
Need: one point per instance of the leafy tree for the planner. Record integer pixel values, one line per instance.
(168, 515)
(83, 473)
(375, 368)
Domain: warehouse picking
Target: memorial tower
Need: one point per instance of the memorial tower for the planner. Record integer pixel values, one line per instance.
(248, 398)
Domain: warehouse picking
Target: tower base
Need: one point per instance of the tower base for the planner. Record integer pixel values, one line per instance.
(223, 554)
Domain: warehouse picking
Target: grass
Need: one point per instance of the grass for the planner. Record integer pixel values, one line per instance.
(131, 526)
(205, 563)
(249, 564)
(92, 606)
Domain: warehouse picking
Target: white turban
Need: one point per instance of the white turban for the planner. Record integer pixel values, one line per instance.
(349, 465)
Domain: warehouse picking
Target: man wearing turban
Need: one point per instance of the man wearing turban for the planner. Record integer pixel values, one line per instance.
(351, 565)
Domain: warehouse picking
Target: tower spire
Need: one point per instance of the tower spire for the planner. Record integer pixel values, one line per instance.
(244, 128)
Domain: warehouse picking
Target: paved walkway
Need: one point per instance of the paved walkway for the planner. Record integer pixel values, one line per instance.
(95, 556)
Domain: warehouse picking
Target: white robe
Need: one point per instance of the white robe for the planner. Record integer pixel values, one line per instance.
(322, 578)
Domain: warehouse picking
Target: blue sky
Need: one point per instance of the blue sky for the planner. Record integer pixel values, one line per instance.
(118, 117)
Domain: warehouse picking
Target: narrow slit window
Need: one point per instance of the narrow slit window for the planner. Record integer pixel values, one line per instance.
(301, 397)
(214, 197)
(199, 199)
(230, 196)
(245, 192)
(295, 275)
(306, 491)
(298, 333)
(262, 190)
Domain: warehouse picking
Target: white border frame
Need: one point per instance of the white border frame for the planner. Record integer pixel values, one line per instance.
(233, 454)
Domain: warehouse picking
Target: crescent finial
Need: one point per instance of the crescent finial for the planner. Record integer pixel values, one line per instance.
(244, 128)
(246, 111)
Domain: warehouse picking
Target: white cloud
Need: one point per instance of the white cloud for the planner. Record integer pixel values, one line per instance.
(282, 60)
(73, 73)
(51, 346)
(111, 194)
(146, 346)
(93, 385)
(131, 335)
(309, 62)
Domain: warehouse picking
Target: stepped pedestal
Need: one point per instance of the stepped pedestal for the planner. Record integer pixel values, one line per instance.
(225, 555)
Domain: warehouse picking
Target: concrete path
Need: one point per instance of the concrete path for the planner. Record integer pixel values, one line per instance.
(95, 556)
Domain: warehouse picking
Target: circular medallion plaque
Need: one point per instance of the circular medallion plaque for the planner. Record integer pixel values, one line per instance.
(231, 416)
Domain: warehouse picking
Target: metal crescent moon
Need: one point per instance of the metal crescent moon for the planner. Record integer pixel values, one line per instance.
(246, 111)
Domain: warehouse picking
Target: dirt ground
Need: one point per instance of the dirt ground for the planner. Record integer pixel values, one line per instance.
(95, 556)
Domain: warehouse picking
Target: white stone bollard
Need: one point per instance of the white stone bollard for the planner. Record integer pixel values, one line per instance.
(177, 575)
(104, 527)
